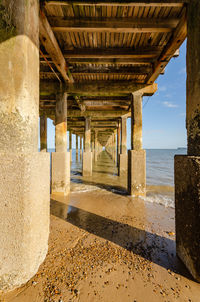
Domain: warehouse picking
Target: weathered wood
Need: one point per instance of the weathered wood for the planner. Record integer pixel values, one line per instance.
(113, 25)
(175, 42)
(128, 70)
(128, 53)
(99, 88)
(113, 61)
(50, 43)
(167, 3)
(106, 103)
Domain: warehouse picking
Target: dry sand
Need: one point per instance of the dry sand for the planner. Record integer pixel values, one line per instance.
(106, 246)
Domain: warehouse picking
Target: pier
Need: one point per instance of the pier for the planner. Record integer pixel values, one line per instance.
(87, 65)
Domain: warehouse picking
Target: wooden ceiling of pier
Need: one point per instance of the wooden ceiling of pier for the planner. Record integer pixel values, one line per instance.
(103, 50)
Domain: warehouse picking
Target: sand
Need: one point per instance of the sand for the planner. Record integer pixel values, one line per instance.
(106, 246)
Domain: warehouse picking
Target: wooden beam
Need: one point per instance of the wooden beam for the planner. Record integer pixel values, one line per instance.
(99, 88)
(144, 3)
(128, 53)
(128, 70)
(105, 103)
(93, 114)
(178, 37)
(121, 61)
(50, 43)
(80, 104)
(113, 25)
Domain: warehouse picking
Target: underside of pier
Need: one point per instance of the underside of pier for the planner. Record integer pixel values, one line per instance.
(87, 65)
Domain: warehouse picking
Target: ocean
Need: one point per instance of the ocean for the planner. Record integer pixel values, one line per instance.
(159, 171)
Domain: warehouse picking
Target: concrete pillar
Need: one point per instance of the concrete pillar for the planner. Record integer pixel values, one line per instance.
(24, 172)
(187, 167)
(76, 147)
(81, 148)
(60, 180)
(70, 144)
(136, 156)
(123, 149)
(87, 154)
(43, 133)
(115, 146)
(118, 142)
(96, 145)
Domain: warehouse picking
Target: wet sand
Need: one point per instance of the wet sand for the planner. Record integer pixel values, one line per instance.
(106, 246)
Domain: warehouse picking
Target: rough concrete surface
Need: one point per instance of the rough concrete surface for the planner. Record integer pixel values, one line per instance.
(137, 172)
(87, 163)
(60, 174)
(123, 164)
(24, 212)
(187, 203)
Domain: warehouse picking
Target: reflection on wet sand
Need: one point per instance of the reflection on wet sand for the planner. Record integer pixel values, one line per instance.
(153, 247)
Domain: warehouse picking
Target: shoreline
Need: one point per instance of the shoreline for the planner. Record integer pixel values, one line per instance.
(127, 255)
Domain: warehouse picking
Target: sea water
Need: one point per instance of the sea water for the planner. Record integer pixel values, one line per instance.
(159, 171)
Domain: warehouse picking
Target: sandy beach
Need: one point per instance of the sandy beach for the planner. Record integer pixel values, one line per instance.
(107, 246)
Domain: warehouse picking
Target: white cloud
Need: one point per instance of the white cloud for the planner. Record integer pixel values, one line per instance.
(162, 88)
(170, 105)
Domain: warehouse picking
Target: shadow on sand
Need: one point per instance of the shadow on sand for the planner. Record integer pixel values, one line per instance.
(155, 248)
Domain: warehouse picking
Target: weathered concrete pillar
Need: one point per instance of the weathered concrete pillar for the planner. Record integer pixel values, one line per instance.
(43, 133)
(70, 144)
(123, 150)
(24, 172)
(118, 142)
(81, 148)
(187, 167)
(60, 180)
(136, 156)
(115, 146)
(76, 147)
(92, 145)
(87, 154)
(96, 145)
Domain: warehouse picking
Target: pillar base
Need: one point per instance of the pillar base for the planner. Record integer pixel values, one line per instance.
(24, 212)
(137, 172)
(187, 208)
(60, 176)
(87, 163)
(122, 171)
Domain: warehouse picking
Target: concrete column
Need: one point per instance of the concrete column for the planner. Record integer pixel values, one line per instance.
(123, 149)
(115, 147)
(136, 156)
(81, 148)
(96, 145)
(60, 180)
(76, 147)
(187, 167)
(24, 172)
(118, 142)
(70, 145)
(87, 154)
(43, 133)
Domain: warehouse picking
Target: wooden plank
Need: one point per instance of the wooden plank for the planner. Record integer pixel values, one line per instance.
(113, 25)
(128, 53)
(120, 61)
(50, 43)
(166, 3)
(136, 70)
(169, 51)
(106, 103)
(99, 88)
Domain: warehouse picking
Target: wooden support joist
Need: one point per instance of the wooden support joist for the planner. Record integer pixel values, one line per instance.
(128, 70)
(128, 53)
(177, 38)
(50, 43)
(145, 3)
(121, 61)
(93, 114)
(80, 104)
(99, 88)
(105, 103)
(113, 25)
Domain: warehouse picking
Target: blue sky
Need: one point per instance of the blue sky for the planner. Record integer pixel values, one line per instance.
(164, 114)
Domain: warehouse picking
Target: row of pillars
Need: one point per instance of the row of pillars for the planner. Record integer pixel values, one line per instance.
(25, 172)
(61, 158)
